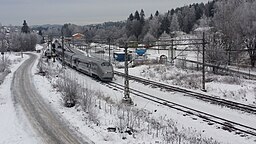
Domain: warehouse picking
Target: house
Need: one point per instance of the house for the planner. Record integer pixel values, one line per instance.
(164, 40)
(78, 41)
(164, 37)
(39, 48)
(77, 36)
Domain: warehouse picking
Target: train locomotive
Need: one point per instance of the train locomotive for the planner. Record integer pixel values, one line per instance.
(92, 66)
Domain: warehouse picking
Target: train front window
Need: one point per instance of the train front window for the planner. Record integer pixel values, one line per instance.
(105, 64)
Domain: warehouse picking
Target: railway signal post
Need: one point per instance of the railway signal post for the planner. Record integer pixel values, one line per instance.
(109, 59)
(127, 99)
(203, 71)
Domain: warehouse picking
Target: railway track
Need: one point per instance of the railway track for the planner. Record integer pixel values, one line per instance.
(229, 125)
(201, 96)
(225, 70)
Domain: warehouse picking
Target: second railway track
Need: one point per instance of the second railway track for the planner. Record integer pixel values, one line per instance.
(201, 96)
(229, 125)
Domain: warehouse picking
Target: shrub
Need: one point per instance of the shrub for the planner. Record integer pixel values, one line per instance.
(181, 64)
(69, 89)
(230, 80)
(88, 103)
(4, 64)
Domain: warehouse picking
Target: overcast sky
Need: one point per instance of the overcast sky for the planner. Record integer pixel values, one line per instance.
(80, 12)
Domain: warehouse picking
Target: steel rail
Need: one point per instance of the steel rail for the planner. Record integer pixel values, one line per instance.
(250, 75)
(210, 98)
(179, 107)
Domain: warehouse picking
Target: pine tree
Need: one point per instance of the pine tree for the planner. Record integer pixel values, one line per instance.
(151, 17)
(131, 17)
(142, 15)
(172, 11)
(137, 15)
(157, 13)
(165, 24)
(40, 33)
(25, 28)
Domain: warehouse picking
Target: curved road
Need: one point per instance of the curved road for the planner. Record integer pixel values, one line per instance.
(47, 123)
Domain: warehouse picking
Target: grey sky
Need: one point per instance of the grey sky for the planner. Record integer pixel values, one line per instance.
(80, 12)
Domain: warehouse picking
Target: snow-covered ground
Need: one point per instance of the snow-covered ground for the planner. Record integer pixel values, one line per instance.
(14, 126)
(185, 75)
(227, 87)
(99, 134)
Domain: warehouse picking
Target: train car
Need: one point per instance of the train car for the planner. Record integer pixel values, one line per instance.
(58, 53)
(140, 51)
(68, 57)
(120, 56)
(91, 66)
(94, 67)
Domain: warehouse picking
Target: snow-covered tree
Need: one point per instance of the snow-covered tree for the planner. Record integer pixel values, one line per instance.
(236, 19)
(224, 22)
(3, 42)
(204, 21)
(189, 18)
(142, 15)
(15, 42)
(23, 41)
(246, 27)
(148, 39)
(154, 26)
(174, 26)
(215, 50)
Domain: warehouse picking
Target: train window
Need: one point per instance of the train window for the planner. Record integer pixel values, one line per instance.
(105, 64)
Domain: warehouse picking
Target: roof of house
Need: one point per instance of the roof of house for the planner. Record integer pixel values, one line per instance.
(77, 34)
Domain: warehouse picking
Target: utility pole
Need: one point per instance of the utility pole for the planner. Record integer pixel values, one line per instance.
(22, 49)
(62, 42)
(169, 57)
(158, 47)
(203, 79)
(109, 59)
(127, 99)
(2, 50)
(172, 52)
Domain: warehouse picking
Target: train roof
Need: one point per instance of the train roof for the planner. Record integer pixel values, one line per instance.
(73, 50)
(86, 58)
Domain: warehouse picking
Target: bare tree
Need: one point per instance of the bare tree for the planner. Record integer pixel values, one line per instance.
(215, 50)
(245, 17)
(3, 42)
(224, 22)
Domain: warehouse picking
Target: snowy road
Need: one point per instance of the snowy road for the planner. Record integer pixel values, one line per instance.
(46, 122)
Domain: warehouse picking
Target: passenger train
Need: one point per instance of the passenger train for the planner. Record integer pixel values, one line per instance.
(92, 66)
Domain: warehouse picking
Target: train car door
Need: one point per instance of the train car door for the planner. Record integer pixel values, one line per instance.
(94, 69)
(89, 68)
(75, 64)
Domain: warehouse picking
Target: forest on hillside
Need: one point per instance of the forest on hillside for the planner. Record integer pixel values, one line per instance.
(230, 24)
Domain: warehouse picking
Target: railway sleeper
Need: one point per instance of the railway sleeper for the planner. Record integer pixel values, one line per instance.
(228, 127)
(203, 117)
